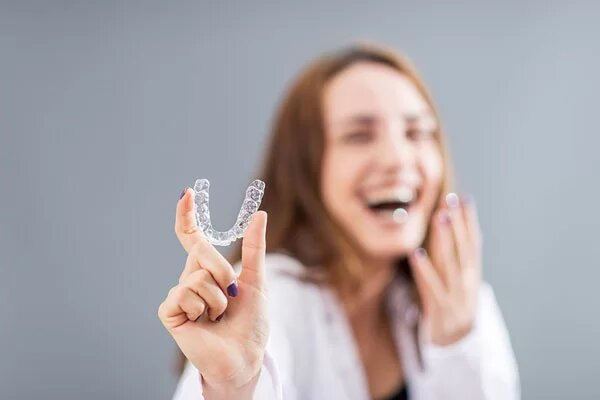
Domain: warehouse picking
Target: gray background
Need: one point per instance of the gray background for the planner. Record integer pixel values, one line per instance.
(107, 109)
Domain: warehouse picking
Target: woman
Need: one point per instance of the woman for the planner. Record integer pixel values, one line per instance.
(370, 288)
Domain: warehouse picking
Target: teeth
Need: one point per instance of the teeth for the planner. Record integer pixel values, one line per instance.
(399, 215)
(406, 195)
(403, 195)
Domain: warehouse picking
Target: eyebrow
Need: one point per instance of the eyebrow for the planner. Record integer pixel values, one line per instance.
(369, 119)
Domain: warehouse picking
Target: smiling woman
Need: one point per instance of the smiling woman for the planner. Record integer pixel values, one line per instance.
(379, 152)
(366, 282)
(346, 112)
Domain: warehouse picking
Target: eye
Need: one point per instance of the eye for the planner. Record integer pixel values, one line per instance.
(362, 136)
(419, 134)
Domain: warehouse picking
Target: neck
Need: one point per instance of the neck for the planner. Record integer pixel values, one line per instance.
(366, 307)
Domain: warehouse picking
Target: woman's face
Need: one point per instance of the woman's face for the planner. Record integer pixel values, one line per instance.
(382, 166)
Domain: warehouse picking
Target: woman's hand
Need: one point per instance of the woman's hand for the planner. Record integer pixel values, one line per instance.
(219, 322)
(448, 281)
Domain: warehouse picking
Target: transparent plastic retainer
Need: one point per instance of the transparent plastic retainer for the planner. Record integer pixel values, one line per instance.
(254, 195)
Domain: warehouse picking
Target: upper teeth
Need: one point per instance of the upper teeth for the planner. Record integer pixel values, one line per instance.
(402, 195)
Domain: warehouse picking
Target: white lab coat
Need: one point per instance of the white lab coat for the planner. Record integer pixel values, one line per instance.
(311, 353)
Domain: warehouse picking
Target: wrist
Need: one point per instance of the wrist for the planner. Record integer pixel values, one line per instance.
(443, 339)
(229, 391)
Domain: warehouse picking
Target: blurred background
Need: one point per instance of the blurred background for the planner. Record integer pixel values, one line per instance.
(108, 109)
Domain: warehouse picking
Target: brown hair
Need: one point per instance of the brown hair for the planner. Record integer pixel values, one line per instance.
(299, 224)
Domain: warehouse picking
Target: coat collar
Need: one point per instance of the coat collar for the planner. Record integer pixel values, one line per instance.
(404, 315)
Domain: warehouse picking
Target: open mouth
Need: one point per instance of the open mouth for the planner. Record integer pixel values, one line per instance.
(393, 206)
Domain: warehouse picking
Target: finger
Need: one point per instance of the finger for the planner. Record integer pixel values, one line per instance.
(192, 304)
(205, 256)
(459, 232)
(203, 284)
(443, 255)
(253, 251)
(473, 269)
(186, 228)
(180, 306)
(472, 225)
(170, 314)
(428, 283)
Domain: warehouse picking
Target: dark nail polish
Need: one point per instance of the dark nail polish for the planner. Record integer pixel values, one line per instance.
(183, 193)
(420, 252)
(232, 290)
(452, 200)
(220, 317)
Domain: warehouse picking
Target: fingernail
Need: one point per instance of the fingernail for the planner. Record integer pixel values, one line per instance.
(219, 318)
(183, 193)
(452, 200)
(232, 290)
(444, 217)
(420, 252)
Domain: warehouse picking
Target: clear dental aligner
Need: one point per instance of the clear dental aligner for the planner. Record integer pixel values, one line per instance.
(254, 195)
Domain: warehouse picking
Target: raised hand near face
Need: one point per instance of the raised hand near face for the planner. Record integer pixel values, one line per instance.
(448, 278)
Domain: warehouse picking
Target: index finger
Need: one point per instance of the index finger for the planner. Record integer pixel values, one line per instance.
(186, 228)
(253, 251)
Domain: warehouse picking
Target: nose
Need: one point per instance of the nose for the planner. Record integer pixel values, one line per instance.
(395, 151)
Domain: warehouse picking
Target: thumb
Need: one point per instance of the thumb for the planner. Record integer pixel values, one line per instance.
(253, 251)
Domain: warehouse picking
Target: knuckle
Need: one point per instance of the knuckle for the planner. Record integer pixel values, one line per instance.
(217, 303)
(184, 226)
(201, 307)
(179, 294)
(220, 305)
(190, 229)
(203, 276)
(224, 274)
(254, 246)
(198, 278)
(161, 311)
(197, 312)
